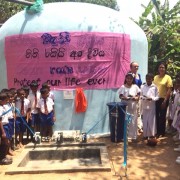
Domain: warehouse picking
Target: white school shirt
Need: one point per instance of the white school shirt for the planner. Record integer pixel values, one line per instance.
(131, 91)
(49, 103)
(51, 95)
(4, 117)
(26, 106)
(177, 99)
(10, 113)
(149, 92)
(31, 98)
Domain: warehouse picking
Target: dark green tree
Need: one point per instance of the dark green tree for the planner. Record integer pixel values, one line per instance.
(162, 26)
(108, 3)
(8, 9)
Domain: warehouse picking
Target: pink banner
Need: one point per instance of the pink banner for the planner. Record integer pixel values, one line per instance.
(68, 59)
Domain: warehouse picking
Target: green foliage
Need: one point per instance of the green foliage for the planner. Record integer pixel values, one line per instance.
(8, 9)
(108, 3)
(162, 26)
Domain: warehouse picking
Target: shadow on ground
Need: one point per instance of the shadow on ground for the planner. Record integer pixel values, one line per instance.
(144, 163)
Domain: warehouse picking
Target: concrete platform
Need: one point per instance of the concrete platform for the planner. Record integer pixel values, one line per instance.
(50, 158)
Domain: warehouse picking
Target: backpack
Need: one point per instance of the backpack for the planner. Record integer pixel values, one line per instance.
(80, 101)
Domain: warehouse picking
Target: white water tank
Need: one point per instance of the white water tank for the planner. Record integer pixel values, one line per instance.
(78, 17)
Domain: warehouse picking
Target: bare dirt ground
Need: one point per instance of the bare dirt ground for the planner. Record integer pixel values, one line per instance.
(144, 163)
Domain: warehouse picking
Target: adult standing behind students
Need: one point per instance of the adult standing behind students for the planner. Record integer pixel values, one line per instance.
(164, 85)
(134, 70)
(137, 79)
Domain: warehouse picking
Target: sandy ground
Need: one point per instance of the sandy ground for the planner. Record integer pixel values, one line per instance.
(144, 163)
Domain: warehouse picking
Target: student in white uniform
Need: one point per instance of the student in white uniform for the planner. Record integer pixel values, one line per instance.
(34, 96)
(176, 118)
(4, 131)
(149, 94)
(46, 109)
(48, 86)
(23, 106)
(129, 93)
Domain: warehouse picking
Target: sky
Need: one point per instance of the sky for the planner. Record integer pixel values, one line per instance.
(132, 8)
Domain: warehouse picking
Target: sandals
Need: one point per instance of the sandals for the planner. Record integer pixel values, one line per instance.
(6, 161)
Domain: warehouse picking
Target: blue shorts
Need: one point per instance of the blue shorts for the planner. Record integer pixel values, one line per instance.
(20, 124)
(6, 128)
(35, 121)
(47, 119)
(11, 126)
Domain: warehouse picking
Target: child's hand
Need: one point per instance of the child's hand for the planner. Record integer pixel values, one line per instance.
(54, 118)
(3, 135)
(163, 105)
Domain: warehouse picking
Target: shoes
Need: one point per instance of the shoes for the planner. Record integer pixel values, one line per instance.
(178, 161)
(177, 149)
(145, 138)
(6, 161)
(47, 139)
(176, 137)
(43, 139)
(134, 141)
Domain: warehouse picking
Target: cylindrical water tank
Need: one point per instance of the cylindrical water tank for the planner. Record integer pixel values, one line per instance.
(77, 17)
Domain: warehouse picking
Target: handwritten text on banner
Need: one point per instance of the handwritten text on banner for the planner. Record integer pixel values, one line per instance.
(68, 59)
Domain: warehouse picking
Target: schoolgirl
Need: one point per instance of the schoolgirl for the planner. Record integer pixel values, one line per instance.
(129, 93)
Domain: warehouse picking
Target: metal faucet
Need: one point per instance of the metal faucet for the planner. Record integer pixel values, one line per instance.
(37, 139)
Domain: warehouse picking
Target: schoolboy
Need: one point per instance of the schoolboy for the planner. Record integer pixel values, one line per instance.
(26, 89)
(4, 132)
(34, 97)
(46, 110)
(47, 85)
(22, 105)
(149, 94)
(10, 106)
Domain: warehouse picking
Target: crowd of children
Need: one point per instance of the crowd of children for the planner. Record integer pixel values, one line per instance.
(24, 110)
